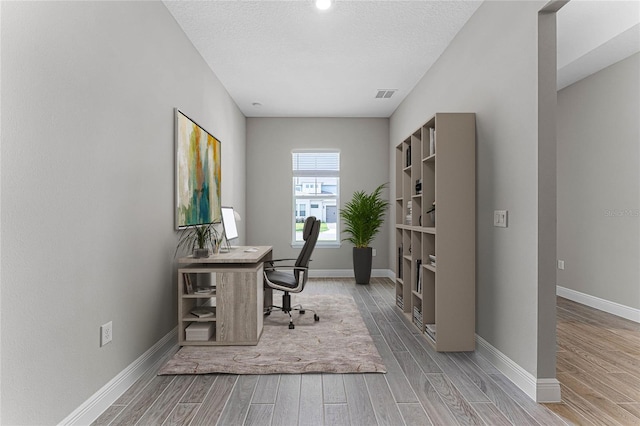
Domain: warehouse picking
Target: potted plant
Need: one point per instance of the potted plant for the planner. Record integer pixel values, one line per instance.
(199, 240)
(363, 216)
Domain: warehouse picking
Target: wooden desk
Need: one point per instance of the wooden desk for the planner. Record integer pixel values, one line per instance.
(236, 303)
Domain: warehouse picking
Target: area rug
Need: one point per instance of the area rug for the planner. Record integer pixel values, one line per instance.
(338, 343)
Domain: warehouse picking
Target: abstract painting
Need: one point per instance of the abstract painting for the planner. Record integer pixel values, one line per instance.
(197, 174)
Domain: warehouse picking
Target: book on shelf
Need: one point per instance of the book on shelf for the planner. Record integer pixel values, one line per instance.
(188, 286)
(400, 261)
(400, 301)
(418, 275)
(432, 260)
(408, 159)
(206, 290)
(417, 316)
(431, 330)
(203, 312)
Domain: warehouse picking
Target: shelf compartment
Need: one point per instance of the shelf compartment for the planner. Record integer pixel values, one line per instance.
(211, 341)
(428, 193)
(430, 332)
(429, 159)
(189, 316)
(416, 317)
(200, 295)
(193, 318)
(429, 297)
(416, 217)
(399, 295)
(406, 242)
(400, 212)
(197, 329)
(428, 249)
(399, 254)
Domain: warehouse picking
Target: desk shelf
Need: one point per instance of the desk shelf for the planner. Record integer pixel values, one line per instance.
(210, 342)
(237, 298)
(188, 316)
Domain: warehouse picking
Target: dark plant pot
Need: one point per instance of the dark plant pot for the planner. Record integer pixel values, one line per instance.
(362, 264)
(199, 253)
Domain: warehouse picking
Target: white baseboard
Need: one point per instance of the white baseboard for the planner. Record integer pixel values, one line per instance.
(548, 390)
(539, 390)
(614, 308)
(93, 407)
(347, 273)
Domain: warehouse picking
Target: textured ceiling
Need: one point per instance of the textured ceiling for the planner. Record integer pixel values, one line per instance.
(297, 61)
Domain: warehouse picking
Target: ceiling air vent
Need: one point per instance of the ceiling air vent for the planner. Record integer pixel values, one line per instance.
(385, 93)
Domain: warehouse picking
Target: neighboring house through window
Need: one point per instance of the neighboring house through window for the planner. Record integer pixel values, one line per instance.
(316, 183)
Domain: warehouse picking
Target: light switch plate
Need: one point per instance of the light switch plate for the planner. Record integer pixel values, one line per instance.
(500, 218)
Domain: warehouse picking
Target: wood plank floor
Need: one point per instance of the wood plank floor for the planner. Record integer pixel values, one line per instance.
(421, 386)
(598, 366)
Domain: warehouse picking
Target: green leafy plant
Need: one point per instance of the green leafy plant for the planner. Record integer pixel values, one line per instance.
(363, 216)
(198, 237)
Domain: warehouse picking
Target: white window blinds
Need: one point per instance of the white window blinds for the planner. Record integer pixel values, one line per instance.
(316, 163)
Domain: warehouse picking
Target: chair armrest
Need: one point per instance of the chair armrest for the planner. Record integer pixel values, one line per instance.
(273, 261)
(287, 268)
(282, 260)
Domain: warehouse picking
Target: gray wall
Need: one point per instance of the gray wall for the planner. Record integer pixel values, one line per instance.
(598, 176)
(363, 146)
(87, 191)
(491, 68)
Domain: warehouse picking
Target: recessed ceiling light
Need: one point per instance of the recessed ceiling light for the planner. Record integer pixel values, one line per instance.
(323, 4)
(256, 104)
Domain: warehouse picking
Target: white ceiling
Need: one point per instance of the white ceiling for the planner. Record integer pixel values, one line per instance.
(595, 34)
(296, 61)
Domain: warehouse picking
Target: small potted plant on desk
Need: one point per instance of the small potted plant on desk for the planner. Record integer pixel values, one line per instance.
(363, 216)
(199, 240)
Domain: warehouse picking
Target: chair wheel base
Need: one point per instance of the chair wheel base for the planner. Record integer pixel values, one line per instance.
(291, 326)
(316, 318)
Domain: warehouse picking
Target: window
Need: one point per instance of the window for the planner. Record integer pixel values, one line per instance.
(316, 183)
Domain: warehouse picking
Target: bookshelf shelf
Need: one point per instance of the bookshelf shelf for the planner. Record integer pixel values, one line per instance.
(430, 268)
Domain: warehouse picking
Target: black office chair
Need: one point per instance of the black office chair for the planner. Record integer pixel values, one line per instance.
(293, 281)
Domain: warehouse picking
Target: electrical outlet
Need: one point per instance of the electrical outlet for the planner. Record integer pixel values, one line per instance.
(373, 252)
(561, 264)
(106, 333)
